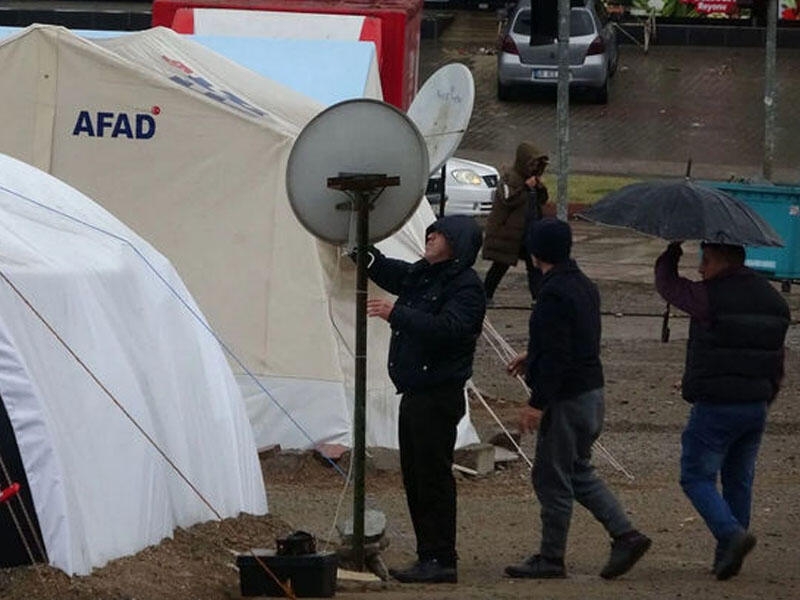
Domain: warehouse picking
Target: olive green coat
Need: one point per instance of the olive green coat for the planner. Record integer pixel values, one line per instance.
(511, 211)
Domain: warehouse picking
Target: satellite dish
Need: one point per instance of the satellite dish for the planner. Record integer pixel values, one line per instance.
(442, 109)
(360, 136)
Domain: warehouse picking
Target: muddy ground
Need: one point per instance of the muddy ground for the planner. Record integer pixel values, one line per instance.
(498, 513)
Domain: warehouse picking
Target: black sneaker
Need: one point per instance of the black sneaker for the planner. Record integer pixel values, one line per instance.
(733, 552)
(626, 551)
(538, 567)
(426, 571)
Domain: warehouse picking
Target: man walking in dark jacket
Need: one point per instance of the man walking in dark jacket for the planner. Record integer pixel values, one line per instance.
(734, 365)
(562, 368)
(435, 323)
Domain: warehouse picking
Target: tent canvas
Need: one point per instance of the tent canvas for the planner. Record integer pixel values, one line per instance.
(92, 315)
(190, 149)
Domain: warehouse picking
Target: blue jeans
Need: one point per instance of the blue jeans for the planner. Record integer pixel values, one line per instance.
(722, 439)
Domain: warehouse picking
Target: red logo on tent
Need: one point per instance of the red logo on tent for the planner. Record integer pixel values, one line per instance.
(156, 110)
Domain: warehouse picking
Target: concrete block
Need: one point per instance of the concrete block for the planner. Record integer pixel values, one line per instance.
(478, 457)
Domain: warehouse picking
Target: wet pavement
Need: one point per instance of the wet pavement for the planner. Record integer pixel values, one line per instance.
(666, 106)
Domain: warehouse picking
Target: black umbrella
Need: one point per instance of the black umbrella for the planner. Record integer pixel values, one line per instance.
(682, 210)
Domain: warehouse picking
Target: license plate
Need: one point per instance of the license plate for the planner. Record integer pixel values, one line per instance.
(545, 73)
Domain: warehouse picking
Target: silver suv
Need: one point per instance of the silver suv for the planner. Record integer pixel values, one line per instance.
(526, 62)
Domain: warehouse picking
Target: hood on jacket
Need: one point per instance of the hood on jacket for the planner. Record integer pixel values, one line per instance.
(464, 236)
(526, 159)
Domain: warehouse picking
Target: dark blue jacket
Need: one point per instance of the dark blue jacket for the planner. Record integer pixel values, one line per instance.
(564, 342)
(439, 311)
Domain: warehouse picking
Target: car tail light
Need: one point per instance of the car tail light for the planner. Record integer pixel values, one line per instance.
(598, 46)
(508, 46)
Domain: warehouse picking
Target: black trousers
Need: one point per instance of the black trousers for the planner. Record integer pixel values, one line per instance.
(498, 270)
(427, 432)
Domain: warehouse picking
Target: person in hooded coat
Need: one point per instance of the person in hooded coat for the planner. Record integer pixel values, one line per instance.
(518, 200)
(435, 321)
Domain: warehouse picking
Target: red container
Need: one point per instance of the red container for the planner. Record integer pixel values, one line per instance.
(400, 23)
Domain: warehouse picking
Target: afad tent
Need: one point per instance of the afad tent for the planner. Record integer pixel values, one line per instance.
(97, 356)
(190, 149)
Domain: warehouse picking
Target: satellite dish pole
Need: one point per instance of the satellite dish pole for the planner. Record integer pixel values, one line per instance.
(443, 191)
(319, 173)
(363, 190)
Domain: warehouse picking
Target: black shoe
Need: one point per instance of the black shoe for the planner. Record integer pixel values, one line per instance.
(626, 551)
(733, 552)
(538, 567)
(426, 571)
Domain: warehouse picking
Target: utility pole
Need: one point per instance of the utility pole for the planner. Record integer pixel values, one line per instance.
(770, 86)
(562, 106)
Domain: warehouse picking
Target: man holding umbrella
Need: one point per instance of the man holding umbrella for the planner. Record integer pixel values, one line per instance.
(734, 366)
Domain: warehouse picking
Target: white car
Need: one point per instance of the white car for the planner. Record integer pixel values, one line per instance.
(469, 188)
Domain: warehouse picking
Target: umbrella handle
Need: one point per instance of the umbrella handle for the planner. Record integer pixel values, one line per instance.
(665, 325)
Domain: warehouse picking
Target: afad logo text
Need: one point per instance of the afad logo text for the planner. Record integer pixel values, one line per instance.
(138, 126)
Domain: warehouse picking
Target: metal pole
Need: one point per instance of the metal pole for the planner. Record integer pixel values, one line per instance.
(770, 85)
(563, 106)
(360, 408)
(443, 197)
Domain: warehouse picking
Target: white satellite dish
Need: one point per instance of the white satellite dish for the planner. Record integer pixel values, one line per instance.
(442, 110)
(360, 136)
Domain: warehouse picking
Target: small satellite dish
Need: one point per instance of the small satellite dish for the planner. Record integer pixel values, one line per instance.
(442, 109)
(353, 137)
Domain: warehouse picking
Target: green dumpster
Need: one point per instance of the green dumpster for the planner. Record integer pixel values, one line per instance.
(778, 205)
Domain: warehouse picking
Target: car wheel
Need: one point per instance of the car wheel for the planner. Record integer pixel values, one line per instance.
(601, 93)
(504, 92)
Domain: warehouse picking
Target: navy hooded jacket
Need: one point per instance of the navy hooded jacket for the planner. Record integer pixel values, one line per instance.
(439, 311)
(564, 337)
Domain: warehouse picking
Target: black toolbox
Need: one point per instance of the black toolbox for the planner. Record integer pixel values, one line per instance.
(311, 575)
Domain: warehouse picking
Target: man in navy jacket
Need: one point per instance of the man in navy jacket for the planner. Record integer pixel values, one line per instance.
(435, 323)
(562, 367)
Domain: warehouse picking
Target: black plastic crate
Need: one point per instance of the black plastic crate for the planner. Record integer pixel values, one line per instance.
(311, 575)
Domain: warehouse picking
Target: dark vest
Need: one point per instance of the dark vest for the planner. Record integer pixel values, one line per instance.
(738, 356)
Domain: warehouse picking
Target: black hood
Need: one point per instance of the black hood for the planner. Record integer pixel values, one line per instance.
(464, 236)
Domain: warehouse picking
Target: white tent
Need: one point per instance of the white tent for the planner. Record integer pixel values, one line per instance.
(92, 321)
(190, 149)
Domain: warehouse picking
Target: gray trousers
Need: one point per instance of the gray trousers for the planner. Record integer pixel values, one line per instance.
(562, 471)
